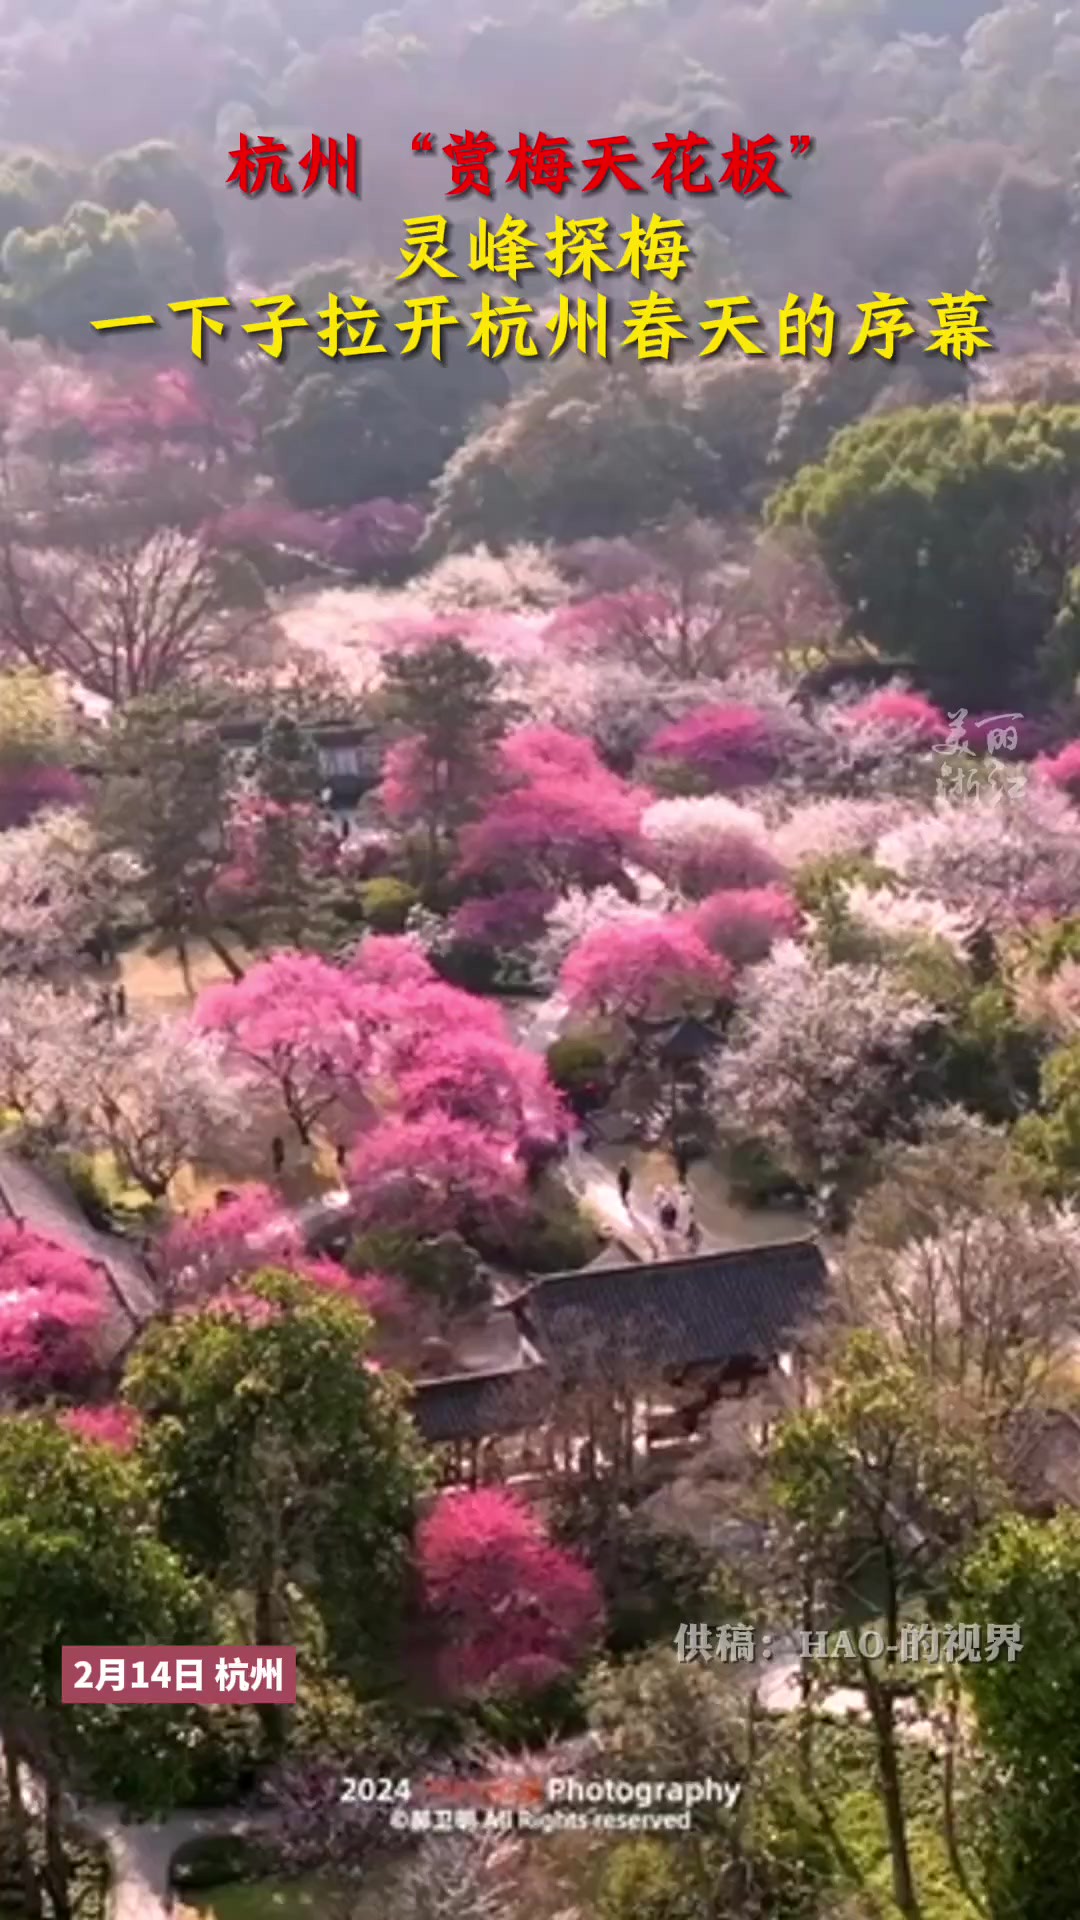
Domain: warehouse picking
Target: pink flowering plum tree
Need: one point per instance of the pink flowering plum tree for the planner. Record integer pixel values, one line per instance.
(554, 833)
(536, 753)
(201, 1256)
(52, 1310)
(200, 1253)
(727, 746)
(1062, 769)
(701, 845)
(744, 924)
(391, 960)
(434, 1175)
(512, 1611)
(208, 1254)
(491, 1083)
(406, 1024)
(645, 969)
(298, 1026)
(913, 719)
(562, 818)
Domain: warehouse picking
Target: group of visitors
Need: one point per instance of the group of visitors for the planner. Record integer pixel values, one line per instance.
(674, 1210)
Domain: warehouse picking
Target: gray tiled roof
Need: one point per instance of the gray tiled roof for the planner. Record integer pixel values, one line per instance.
(47, 1207)
(710, 1307)
(470, 1406)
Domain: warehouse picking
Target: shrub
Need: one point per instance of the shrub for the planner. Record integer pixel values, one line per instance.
(467, 964)
(643, 1880)
(552, 1238)
(387, 903)
(577, 1063)
(446, 1268)
(214, 1859)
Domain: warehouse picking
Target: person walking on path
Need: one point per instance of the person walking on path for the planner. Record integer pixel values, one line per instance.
(691, 1230)
(666, 1211)
(625, 1179)
(682, 1164)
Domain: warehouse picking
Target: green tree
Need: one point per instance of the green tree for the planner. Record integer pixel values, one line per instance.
(445, 698)
(657, 1718)
(377, 426)
(287, 763)
(34, 189)
(155, 174)
(1029, 1713)
(880, 1476)
(162, 799)
(282, 1463)
(1027, 238)
(593, 450)
(1048, 1142)
(951, 534)
(92, 265)
(80, 1564)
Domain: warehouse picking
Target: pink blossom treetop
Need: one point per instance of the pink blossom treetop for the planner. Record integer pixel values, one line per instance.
(204, 1256)
(52, 1309)
(744, 924)
(1062, 769)
(114, 1425)
(491, 1083)
(391, 960)
(701, 845)
(512, 1610)
(202, 1252)
(299, 1025)
(406, 1023)
(433, 1175)
(561, 819)
(542, 753)
(556, 832)
(914, 718)
(731, 746)
(645, 969)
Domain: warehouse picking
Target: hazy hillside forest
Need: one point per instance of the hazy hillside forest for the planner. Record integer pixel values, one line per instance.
(467, 824)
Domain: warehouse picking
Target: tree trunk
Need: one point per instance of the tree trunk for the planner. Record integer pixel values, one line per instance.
(948, 1790)
(232, 967)
(806, 1693)
(880, 1701)
(57, 1872)
(184, 964)
(20, 1830)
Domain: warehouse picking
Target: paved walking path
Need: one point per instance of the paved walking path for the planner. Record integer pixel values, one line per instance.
(140, 1854)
